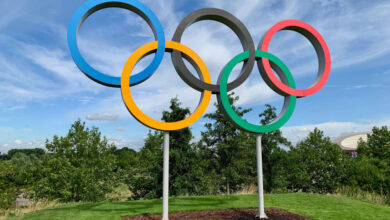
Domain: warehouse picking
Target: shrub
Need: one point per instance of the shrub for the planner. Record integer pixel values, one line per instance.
(317, 165)
(8, 191)
(78, 167)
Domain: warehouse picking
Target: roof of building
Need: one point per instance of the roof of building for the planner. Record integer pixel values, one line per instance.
(349, 142)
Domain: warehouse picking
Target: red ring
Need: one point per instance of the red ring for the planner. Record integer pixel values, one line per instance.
(322, 76)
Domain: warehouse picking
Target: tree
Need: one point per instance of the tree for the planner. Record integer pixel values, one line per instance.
(22, 163)
(78, 166)
(4, 157)
(377, 145)
(227, 145)
(371, 170)
(36, 152)
(369, 174)
(183, 178)
(146, 182)
(8, 190)
(317, 165)
(126, 158)
(182, 155)
(13, 173)
(274, 158)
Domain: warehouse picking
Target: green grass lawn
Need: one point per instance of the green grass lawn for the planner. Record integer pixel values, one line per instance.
(311, 205)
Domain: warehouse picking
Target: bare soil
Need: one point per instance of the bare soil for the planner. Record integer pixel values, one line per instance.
(234, 214)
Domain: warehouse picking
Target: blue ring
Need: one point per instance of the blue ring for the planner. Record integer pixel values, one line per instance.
(135, 6)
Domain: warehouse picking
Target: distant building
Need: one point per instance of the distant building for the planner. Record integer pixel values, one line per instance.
(21, 202)
(349, 142)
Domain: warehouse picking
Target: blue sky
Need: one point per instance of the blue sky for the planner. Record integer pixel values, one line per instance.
(42, 92)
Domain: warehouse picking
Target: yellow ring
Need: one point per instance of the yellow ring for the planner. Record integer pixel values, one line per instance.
(142, 117)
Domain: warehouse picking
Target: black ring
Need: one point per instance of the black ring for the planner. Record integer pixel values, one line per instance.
(234, 24)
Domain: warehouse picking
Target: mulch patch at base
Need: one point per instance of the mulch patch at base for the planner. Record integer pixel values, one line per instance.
(233, 214)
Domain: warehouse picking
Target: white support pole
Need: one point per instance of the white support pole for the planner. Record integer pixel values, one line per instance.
(165, 176)
(261, 214)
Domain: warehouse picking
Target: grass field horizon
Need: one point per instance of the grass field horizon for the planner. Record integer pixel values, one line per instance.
(314, 206)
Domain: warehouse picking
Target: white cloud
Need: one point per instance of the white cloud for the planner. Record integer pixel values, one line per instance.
(341, 23)
(47, 72)
(54, 60)
(5, 129)
(132, 144)
(9, 13)
(216, 44)
(40, 73)
(19, 142)
(102, 117)
(332, 129)
(351, 33)
(16, 107)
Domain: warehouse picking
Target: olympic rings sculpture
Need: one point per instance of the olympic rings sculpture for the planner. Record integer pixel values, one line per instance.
(282, 83)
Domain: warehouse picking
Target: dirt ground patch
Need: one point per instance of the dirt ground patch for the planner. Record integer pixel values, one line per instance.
(234, 214)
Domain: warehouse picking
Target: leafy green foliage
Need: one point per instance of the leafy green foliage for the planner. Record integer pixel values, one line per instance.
(8, 190)
(147, 179)
(275, 159)
(370, 174)
(4, 157)
(82, 166)
(13, 175)
(126, 158)
(22, 163)
(231, 152)
(371, 170)
(36, 152)
(78, 167)
(183, 165)
(317, 165)
(377, 145)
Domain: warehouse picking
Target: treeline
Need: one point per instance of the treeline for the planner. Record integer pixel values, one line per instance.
(36, 152)
(83, 166)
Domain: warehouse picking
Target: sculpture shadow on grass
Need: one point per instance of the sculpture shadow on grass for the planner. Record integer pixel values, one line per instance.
(154, 206)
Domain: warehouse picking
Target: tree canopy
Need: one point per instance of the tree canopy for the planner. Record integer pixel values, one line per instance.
(84, 166)
(78, 166)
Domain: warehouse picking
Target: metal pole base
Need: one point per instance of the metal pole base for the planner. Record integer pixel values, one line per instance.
(261, 216)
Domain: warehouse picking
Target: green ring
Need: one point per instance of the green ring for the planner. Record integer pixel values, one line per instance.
(233, 116)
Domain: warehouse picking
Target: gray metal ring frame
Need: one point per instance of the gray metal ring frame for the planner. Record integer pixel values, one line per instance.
(234, 24)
